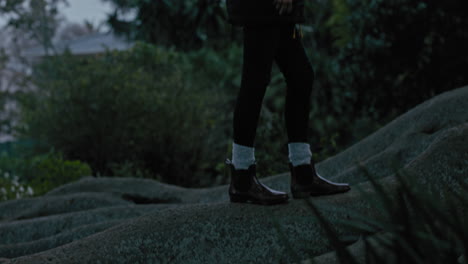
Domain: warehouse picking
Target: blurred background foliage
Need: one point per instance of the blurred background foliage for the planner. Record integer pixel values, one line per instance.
(125, 107)
(22, 176)
(164, 109)
(190, 24)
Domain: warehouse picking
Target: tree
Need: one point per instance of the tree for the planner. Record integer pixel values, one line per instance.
(187, 24)
(37, 19)
(29, 23)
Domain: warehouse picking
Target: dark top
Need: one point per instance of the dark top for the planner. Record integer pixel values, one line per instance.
(262, 12)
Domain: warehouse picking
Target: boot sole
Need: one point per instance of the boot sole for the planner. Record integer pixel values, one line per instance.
(241, 199)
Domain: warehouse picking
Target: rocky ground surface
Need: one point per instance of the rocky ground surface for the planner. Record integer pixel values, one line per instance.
(130, 220)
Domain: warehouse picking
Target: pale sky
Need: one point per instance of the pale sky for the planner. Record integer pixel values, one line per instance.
(92, 10)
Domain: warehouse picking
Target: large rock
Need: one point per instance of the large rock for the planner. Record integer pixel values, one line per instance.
(45, 205)
(357, 251)
(402, 140)
(40, 227)
(65, 236)
(181, 225)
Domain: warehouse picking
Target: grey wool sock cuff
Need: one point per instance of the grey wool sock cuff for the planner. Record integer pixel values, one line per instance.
(242, 156)
(299, 153)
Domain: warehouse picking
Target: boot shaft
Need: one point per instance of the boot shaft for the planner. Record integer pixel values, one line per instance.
(240, 179)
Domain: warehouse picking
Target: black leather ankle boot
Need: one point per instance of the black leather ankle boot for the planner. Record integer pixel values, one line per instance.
(245, 187)
(305, 182)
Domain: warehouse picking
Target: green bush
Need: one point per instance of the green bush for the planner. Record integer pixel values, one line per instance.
(52, 170)
(34, 176)
(132, 107)
(392, 55)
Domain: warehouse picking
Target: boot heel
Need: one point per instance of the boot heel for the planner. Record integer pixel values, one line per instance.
(300, 195)
(238, 199)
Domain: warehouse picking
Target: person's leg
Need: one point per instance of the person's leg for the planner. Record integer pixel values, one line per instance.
(294, 64)
(259, 49)
(260, 44)
(299, 75)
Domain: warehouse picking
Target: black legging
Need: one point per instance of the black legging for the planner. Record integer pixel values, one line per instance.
(262, 45)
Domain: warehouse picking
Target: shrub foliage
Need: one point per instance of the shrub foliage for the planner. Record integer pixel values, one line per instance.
(122, 107)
